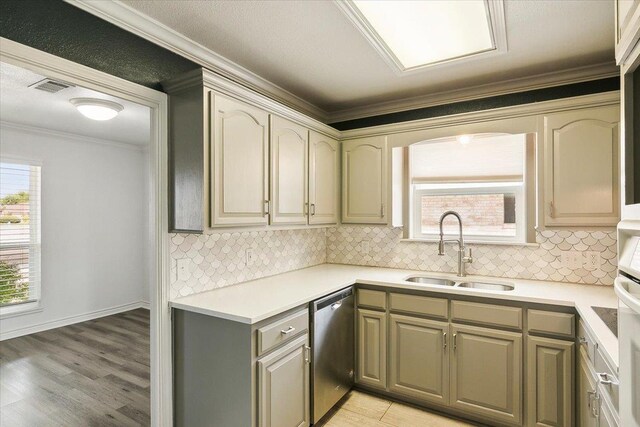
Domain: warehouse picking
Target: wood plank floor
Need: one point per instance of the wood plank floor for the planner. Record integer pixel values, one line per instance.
(358, 409)
(94, 373)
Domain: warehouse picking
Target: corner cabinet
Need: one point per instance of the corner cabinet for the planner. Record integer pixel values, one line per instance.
(239, 163)
(581, 167)
(364, 181)
(324, 179)
(289, 150)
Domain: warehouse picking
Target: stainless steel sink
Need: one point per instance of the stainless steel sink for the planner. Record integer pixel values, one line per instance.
(487, 286)
(430, 280)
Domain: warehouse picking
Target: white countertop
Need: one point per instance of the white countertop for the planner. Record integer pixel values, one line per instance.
(256, 300)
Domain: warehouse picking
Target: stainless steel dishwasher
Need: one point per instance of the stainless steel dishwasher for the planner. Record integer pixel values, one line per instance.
(333, 351)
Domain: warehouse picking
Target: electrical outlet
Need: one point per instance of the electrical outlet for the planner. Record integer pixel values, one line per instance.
(249, 256)
(571, 259)
(365, 246)
(183, 268)
(592, 260)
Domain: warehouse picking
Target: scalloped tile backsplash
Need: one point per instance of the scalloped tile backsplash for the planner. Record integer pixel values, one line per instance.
(218, 259)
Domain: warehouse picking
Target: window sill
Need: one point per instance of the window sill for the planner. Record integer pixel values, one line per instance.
(20, 309)
(476, 242)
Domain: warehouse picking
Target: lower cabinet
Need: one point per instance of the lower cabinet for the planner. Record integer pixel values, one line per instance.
(587, 395)
(418, 359)
(283, 395)
(372, 348)
(486, 378)
(550, 365)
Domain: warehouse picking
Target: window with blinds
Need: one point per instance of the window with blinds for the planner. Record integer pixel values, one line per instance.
(19, 233)
(482, 177)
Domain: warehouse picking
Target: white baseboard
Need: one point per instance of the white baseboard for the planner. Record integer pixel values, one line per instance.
(5, 335)
(145, 304)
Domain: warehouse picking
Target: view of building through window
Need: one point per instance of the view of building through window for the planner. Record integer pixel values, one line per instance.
(19, 233)
(484, 214)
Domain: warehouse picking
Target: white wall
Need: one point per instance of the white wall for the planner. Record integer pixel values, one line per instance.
(94, 227)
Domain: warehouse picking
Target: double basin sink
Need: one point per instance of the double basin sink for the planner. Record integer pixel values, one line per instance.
(426, 280)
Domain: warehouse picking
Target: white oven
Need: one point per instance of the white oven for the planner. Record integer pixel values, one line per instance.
(627, 287)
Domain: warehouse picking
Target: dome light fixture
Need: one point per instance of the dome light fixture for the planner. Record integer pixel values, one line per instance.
(97, 109)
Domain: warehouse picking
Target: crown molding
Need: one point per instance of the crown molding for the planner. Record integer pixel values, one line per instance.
(68, 136)
(540, 81)
(148, 28)
(509, 112)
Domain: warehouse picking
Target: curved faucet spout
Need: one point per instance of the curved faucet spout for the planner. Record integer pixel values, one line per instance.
(462, 258)
(442, 217)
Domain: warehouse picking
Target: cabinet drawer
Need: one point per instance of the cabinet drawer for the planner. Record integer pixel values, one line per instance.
(549, 322)
(607, 378)
(282, 330)
(486, 314)
(374, 299)
(586, 341)
(436, 307)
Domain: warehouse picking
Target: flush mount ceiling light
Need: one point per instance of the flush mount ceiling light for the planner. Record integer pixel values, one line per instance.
(412, 34)
(97, 109)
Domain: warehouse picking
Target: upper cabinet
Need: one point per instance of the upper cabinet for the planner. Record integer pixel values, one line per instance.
(627, 28)
(324, 179)
(239, 163)
(581, 167)
(289, 143)
(365, 181)
(239, 159)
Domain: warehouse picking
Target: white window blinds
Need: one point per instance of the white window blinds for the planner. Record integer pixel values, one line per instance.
(484, 158)
(19, 233)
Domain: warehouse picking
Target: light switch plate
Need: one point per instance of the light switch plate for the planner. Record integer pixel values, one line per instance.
(571, 259)
(183, 268)
(249, 256)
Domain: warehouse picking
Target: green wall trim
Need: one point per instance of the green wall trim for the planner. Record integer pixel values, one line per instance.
(527, 97)
(61, 29)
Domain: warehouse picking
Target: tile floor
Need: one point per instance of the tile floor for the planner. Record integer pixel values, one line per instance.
(359, 409)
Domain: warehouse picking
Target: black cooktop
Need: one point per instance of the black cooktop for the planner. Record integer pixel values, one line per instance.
(609, 316)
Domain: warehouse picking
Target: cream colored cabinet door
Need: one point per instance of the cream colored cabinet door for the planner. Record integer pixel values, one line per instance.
(581, 179)
(283, 386)
(372, 348)
(418, 358)
(486, 373)
(324, 179)
(289, 147)
(239, 163)
(550, 365)
(587, 398)
(627, 28)
(364, 181)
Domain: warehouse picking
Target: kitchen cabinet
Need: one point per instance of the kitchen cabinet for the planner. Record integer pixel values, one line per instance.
(289, 150)
(371, 367)
(486, 378)
(283, 395)
(587, 399)
(550, 365)
(581, 167)
(418, 358)
(324, 179)
(239, 159)
(365, 181)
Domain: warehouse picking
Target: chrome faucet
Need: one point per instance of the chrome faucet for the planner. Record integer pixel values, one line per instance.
(462, 257)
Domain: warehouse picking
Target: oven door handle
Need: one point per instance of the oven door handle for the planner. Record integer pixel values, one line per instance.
(620, 285)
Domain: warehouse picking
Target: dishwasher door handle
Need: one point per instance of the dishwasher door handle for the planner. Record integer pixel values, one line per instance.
(336, 305)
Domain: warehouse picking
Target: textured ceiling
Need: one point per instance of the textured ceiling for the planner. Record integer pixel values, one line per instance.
(27, 106)
(311, 49)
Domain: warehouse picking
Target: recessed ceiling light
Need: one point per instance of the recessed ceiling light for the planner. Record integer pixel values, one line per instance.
(97, 109)
(416, 33)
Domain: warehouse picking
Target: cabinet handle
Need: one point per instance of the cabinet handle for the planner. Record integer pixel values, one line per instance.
(313, 209)
(382, 210)
(590, 395)
(307, 354)
(455, 344)
(583, 341)
(595, 408)
(603, 378)
(551, 209)
(267, 207)
(444, 340)
(288, 330)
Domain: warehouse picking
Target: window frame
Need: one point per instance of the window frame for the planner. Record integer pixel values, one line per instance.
(35, 248)
(466, 188)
